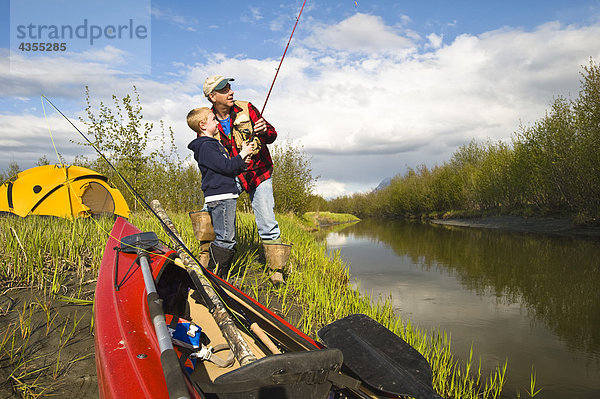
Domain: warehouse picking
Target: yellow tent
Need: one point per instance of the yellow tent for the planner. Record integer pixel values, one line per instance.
(61, 190)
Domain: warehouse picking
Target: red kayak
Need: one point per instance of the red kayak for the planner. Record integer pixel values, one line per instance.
(158, 334)
(128, 357)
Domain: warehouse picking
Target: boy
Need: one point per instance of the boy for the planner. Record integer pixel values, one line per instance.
(218, 184)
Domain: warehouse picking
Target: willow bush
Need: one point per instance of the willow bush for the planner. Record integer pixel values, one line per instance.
(293, 181)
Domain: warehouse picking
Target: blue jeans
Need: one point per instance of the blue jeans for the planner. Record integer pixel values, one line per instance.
(263, 206)
(222, 213)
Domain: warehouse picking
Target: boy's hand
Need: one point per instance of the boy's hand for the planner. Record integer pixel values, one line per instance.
(246, 151)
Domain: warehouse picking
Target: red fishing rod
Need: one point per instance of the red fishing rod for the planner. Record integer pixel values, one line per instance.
(282, 57)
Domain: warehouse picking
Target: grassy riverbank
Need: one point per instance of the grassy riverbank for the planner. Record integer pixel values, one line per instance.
(323, 218)
(47, 277)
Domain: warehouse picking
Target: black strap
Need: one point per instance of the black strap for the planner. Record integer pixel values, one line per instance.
(174, 321)
(117, 250)
(343, 381)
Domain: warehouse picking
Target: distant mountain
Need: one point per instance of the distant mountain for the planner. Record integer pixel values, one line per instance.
(384, 183)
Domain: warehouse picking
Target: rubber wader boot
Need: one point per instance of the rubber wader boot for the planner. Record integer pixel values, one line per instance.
(203, 230)
(220, 257)
(276, 255)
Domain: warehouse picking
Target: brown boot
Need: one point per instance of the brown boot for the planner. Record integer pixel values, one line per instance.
(203, 230)
(277, 256)
(204, 256)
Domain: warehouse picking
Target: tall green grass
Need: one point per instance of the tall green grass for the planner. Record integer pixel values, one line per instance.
(42, 252)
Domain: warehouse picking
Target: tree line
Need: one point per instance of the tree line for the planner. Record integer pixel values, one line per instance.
(550, 167)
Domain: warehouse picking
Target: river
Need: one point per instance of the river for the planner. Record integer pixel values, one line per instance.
(533, 299)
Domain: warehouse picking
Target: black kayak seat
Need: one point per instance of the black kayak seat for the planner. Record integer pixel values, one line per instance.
(294, 375)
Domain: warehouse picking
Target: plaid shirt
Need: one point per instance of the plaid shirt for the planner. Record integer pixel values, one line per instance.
(260, 167)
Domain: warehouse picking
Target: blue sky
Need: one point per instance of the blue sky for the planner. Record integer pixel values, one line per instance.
(367, 90)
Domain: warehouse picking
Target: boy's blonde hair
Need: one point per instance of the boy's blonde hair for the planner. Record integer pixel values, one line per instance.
(196, 117)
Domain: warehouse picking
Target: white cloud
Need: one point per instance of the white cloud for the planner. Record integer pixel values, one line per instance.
(63, 75)
(435, 41)
(253, 16)
(278, 23)
(475, 87)
(361, 33)
(181, 21)
(107, 55)
(330, 188)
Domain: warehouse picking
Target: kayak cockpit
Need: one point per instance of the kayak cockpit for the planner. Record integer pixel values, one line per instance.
(295, 373)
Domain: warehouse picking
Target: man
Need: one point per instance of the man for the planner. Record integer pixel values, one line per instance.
(240, 121)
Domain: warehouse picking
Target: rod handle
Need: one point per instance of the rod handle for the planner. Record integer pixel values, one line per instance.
(260, 333)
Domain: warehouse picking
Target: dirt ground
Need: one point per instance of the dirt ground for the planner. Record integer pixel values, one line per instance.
(46, 346)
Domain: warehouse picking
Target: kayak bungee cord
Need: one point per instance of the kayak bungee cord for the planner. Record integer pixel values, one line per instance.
(238, 314)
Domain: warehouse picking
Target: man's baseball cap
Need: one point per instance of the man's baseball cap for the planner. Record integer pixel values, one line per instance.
(215, 82)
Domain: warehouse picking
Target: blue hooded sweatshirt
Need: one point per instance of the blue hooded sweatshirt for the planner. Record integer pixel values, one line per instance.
(218, 170)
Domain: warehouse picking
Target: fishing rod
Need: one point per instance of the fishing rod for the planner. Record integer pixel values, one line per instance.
(282, 57)
(177, 240)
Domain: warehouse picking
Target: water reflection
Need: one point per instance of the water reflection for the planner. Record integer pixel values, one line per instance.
(555, 278)
(537, 296)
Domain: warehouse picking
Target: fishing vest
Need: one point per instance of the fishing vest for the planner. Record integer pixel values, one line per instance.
(242, 129)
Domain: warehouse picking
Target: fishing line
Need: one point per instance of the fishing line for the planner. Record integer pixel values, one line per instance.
(68, 182)
(50, 132)
(59, 159)
(216, 287)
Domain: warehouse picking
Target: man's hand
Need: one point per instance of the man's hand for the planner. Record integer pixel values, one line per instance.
(260, 127)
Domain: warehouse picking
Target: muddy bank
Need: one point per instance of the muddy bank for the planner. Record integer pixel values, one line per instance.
(46, 345)
(562, 226)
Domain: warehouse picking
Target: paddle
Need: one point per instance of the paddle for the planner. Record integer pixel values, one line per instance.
(379, 358)
(141, 244)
